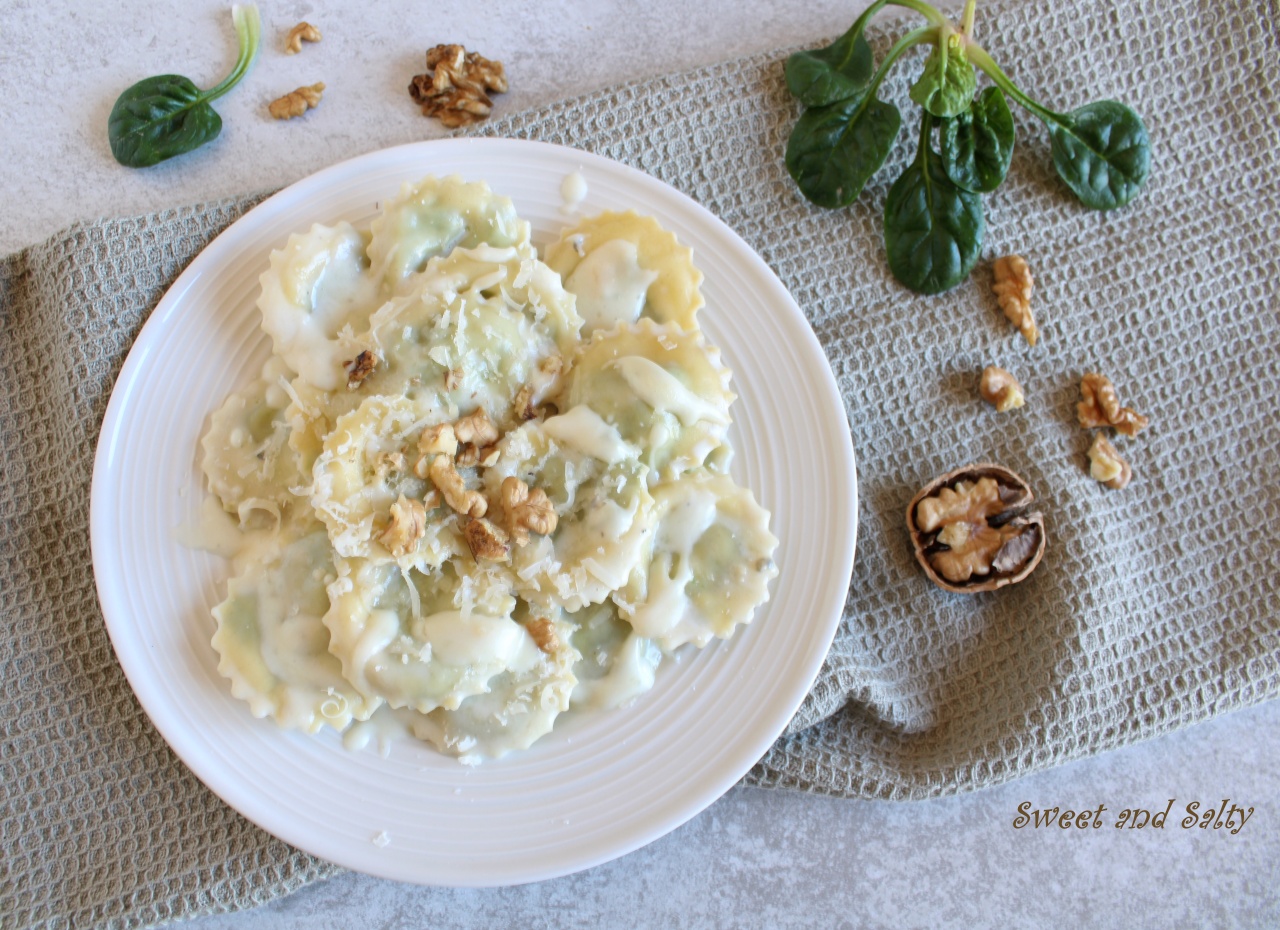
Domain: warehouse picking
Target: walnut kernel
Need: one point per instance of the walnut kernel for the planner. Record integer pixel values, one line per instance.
(476, 430)
(457, 85)
(1106, 465)
(971, 531)
(454, 490)
(1013, 283)
(439, 439)
(543, 632)
(526, 510)
(1000, 389)
(303, 32)
(360, 368)
(487, 541)
(1101, 407)
(408, 525)
(297, 102)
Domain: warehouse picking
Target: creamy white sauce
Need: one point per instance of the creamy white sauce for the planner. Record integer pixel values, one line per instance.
(610, 285)
(211, 530)
(573, 190)
(585, 431)
(461, 640)
(663, 391)
(630, 675)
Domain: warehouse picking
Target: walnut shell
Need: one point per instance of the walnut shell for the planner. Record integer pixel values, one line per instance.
(1020, 552)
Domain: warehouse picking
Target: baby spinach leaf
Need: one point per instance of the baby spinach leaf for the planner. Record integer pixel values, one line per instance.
(1102, 151)
(948, 83)
(834, 150)
(160, 117)
(837, 72)
(977, 146)
(932, 229)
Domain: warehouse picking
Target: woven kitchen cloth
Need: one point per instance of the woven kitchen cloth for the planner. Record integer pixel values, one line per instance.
(1149, 612)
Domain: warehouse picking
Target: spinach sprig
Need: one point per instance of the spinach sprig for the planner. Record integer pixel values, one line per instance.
(167, 115)
(933, 221)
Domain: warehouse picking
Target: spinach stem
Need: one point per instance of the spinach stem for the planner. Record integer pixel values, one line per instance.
(915, 37)
(978, 55)
(966, 21)
(248, 31)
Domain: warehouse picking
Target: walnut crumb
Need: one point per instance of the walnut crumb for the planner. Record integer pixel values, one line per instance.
(408, 525)
(297, 102)
(526, 510)
(543, 632)
(1100, 407)
(453, 379)
(456, 87)
(445, 477)
(1106, 464)
(1000, 389)
(360, 368)
(1013, 283)
(303, 32)
(487, 541)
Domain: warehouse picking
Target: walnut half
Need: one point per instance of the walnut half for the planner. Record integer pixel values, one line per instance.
(971, 530)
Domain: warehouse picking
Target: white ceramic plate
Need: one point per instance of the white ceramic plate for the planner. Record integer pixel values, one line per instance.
(589, 792)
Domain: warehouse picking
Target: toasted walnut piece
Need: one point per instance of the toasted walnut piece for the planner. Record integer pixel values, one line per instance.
(468, 457)
(453, 379)
(1013, 283)
(394, 460)
(1000, 389)
(489, 455)
(297, 102)
(970, 530)
(543, 632)
(303, 32)
(486, 540)
(439, 439)
(431, 500)
(1106, 465)
(476, 430)
(359, 368)
(1101, 407)
(457, 85)
(408, 525)
(532, 392)
(454, 490)
(526, 510)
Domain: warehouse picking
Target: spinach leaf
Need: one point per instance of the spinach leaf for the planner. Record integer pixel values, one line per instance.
(977, 146)
(837, 72)
(1102, 151)
(932, 229)
(948, 83)
(160, 117)
(834, 150)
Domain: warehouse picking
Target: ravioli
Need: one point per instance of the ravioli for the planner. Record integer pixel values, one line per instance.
(422, 640)
(601, 498)
(624, 267)
(616, 664)
(520, 706)
(710, 564)
(662, 388)
(271, 641)
(366, 465)
(315, 296)
(431, 218)
(247, 458)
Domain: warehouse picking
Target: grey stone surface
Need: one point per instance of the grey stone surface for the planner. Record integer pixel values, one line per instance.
(755, 858)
